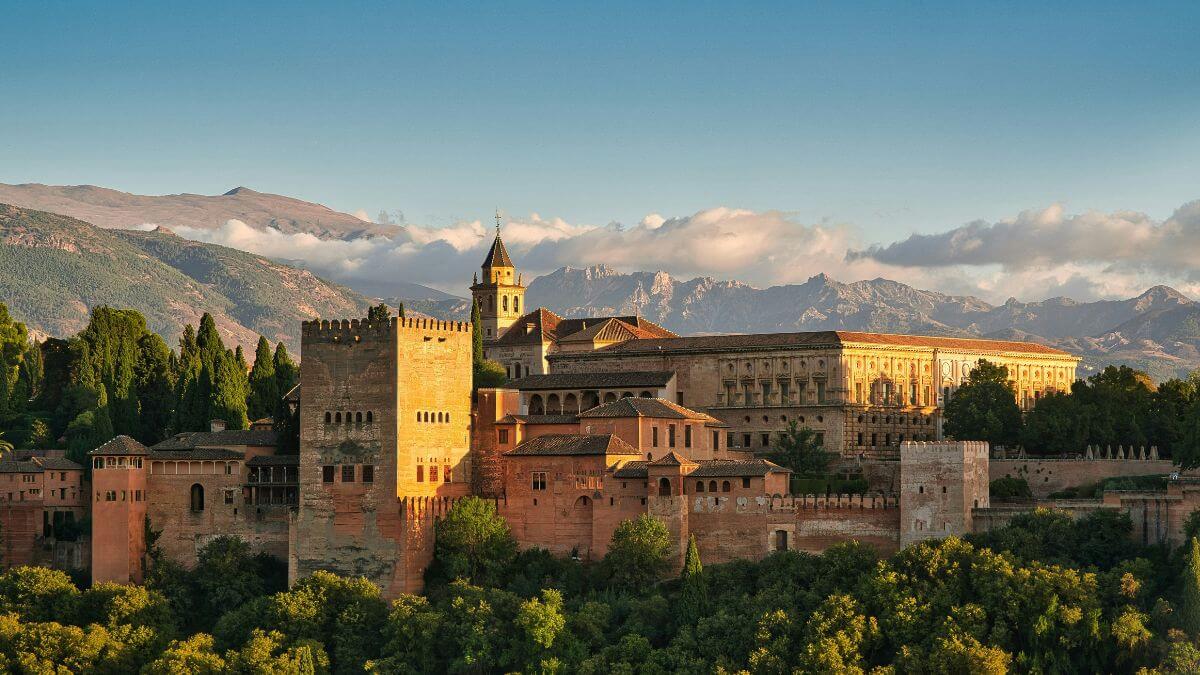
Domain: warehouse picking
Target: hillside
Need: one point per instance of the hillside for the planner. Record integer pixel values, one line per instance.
(54, 269)
(108, 208)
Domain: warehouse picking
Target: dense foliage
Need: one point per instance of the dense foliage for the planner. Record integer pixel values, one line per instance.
(1117, 406)
(485, 372)
(1064, 597)
(118, 377)
(798, 449)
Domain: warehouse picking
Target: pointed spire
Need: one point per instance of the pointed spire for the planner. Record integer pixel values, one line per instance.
(498, 255)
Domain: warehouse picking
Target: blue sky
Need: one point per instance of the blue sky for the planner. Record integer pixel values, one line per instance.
(895, 118)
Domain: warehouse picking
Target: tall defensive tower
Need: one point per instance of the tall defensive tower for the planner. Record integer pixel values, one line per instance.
(384, 445)
(498, 293)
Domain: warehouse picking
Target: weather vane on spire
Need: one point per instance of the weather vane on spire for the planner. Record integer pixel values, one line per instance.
(497, 222)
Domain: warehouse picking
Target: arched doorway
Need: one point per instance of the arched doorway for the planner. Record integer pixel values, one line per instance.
(535, 405)
(664, 487)
(197, 498)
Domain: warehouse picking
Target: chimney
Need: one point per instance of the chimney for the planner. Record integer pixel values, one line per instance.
(529, 329)
(216, 425)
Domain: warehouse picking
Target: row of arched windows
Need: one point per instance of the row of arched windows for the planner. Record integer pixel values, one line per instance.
(712, 486)
(516, 303)
(433, 417)
(356, 418)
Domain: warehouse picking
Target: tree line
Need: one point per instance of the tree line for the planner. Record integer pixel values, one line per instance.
(1045, 594)
(118, 377)
(1116, 406)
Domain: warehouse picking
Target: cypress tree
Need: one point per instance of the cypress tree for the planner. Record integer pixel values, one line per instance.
(476, 337)
(694, 587)
(264, 388)
(1189, 610)
(402, 310)
(208, 340)
(379, 314)
(287, 423)
(155, 389)
(227, 395)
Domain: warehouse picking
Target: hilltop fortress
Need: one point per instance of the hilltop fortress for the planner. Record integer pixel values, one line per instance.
(603, 419)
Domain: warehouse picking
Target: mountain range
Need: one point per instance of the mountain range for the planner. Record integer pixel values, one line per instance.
(54, 268)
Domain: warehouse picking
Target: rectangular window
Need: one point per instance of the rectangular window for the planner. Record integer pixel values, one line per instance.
(228, 469)
(679, 397)
(503, 435)
(654, 436)
(820, 391)
(766, 440)
(433, 473)
(671, 435)
(539, 480)
(784, 392)
(716, 440)
(781, 540)
(420, 473)
(730, 439)
(859, 443)
(687, 435)
(820, 439)
(368, 473)
(347, 473)
(229, 496)
(745, 481)
(327, 474)
(745, 440)
(446, 474)
(912, 394)
(766, 392)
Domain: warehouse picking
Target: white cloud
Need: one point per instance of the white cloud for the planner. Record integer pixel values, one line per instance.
(361, 214)
(1037, 254)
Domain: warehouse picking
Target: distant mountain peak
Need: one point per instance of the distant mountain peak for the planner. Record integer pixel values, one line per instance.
(239, 190)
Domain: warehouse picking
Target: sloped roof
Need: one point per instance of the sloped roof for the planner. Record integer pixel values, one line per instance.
(724, 468)
(634, 469)
(550, 327)
(497, 255)
(574, 444)
(274, 460)
(56, 463)
(544, 323)
(197, 454)
(653, 379)
(671, 459)
(647, 407)
(230, 437)
(19, 466)
(814, 339)
(121, 445)
(538, 419)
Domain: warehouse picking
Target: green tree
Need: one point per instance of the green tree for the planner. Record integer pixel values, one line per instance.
(154, 379)
(229, 392)
(984, 408)
(693, 593)
(638, 554)
(379, 314)
(1189, 606)
(476, 336)
(797, 449)
(1058, 424)
(225, 577)
(287, 421)
(193, 656)
(542, 624)
(264, 386)
(473, 542)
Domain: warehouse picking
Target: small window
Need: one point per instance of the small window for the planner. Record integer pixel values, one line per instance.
(420, 473)
(699, 486)
(228, 497)
(687, 435)
(539, 480)
(370, 417)
(745, 481)
(671, 435)
(654, 437)
(920, 489)
(433, 473)
(197, 498)
(446, 474)
(328, 417)
(781, 540)
(347, 473)
(712, 486)
(228, 469)
(503, 435)
(337, 418)
(766, 440)
(368, 473)
(725, 487)
(327, 474)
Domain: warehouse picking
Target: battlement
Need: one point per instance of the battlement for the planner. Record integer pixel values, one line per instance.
(776, 503)
(356, 330)
(978, 449)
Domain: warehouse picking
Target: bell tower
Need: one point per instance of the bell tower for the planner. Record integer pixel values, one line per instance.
(498, 293)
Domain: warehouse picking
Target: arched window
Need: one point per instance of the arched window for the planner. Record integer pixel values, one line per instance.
(724, 486)
(610, 397)
(504, 303)
(699, 486)
(328, 417)
(337, 418)
(628, 394)
(712, 486)
(535, 405)
(646, 394)
(447, 418)
(197, 498)
(553, 406)
(516, 303)
(418, 415)
(370, 417)
(570, 404)
(358, 418)
(664, 487)
(590, 400)
(583, 502)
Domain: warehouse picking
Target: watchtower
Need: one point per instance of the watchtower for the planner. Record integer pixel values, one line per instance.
(941, 483)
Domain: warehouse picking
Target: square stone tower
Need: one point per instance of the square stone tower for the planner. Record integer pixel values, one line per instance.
(941, 482)
(384, 445)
